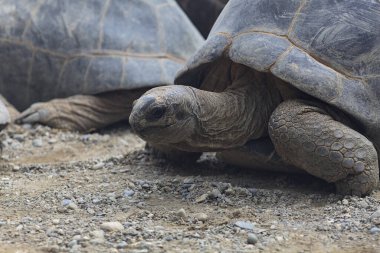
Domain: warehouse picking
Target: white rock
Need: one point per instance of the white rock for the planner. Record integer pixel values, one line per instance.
(37, 143)
(245, 225)
(72, 206)
(201, 217)
(97, 234)
(55, 221)
(112, 226)
(97, 166)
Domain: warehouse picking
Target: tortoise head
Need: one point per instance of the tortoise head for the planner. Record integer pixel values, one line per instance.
(164, 115)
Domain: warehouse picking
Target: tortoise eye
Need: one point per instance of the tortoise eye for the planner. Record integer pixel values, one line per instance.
(157, 113)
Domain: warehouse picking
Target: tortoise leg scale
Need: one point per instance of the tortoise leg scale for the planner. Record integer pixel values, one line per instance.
(308, 137)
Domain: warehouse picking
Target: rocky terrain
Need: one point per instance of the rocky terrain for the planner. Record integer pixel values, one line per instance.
(102, 192)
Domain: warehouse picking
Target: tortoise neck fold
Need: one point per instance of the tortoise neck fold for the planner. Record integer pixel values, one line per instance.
(230, 118)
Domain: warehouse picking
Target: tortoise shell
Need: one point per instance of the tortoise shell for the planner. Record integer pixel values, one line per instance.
(53, 48)
(327, 49)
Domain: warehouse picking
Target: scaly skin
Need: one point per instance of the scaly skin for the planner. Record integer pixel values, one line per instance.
(306, 136)
(197, 120)
(82, 113)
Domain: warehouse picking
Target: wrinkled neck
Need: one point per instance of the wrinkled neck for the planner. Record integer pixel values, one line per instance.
(230, 118)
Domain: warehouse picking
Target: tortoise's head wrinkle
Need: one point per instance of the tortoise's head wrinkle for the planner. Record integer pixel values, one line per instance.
(164, 115)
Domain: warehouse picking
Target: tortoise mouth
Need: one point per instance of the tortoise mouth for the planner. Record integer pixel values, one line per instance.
(144, 130)
(150, 133)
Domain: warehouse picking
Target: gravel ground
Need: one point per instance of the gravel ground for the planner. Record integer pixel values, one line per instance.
(102, 192)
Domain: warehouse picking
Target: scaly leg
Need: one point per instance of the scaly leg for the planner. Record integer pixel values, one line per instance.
(82, 112)
(305, 135)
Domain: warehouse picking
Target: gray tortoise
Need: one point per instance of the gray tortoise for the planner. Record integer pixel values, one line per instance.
(109, 52)
(304, 73)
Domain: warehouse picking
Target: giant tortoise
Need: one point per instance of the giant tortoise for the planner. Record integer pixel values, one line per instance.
(109, 52)
(304, 73)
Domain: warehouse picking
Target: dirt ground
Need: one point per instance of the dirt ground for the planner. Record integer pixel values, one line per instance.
(102, 192)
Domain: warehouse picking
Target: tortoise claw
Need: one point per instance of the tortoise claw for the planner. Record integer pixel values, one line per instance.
(37, 113)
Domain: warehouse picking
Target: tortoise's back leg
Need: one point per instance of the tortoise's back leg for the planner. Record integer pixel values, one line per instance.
(82, 112)
(308, 137)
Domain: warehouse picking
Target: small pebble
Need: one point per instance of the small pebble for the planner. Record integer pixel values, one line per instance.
(77, 237)
(50, 232)
(214, 194)
(27, 126)
(201, 198)
(66, 202)
(245, 225)
(19, 137)
(15, 168)
(97, 166)
(55, 221)
(229, 191)
(96, 200)
(345, 202)
(374, 230)
(52, 141)
(72, 206)
(97, 234)
(363, 204)
(181, 213)
(145, 186)
(201, 217)
(129, 193)
(188, 180)
(375, 215)
(122, 245)
(168, 238)
(37, 143)
(112, 226)
(97, 241)
(252, 238)
(72, 243)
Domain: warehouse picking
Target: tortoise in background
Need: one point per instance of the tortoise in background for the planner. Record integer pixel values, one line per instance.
(109, 52)
(304, 73)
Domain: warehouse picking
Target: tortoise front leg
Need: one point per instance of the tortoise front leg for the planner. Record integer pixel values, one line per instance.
(82, 112)
(306, 136)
